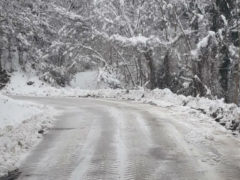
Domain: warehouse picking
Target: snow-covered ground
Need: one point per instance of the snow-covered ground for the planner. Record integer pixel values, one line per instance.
(85, 80)
(20, 123)
(90, 80)
(14, 112)
(227, 115)
(18, 85)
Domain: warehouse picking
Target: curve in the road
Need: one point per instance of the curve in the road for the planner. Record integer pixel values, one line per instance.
(109, 140)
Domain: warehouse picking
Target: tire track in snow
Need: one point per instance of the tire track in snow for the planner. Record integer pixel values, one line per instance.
(133, 141)
(87, 152)
(103, 163)
(121, 149)
(144, 128)
(138, 143)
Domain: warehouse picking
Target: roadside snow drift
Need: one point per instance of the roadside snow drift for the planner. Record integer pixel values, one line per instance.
(227, 115)
(12, 112)
(20, 123)
(26, 84)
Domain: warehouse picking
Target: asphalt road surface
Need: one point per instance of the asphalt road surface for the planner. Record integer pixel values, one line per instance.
(111, 140)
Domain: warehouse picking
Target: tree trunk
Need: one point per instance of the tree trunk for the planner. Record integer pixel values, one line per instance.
(167, 74)
(140, 70)
(236, 92)
(237, 79)
(148, 55)
(0, 59)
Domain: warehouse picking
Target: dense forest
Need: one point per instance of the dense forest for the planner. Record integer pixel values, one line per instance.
(189, 46)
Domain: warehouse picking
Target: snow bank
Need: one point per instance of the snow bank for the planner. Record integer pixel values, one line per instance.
(19, 127)
(12, 112)
(27, 84)
(227, 115)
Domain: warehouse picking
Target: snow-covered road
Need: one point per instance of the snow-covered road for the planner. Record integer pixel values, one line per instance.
(110, 140)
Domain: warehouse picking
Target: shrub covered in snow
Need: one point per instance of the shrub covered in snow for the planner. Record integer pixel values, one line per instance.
(108, 76)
